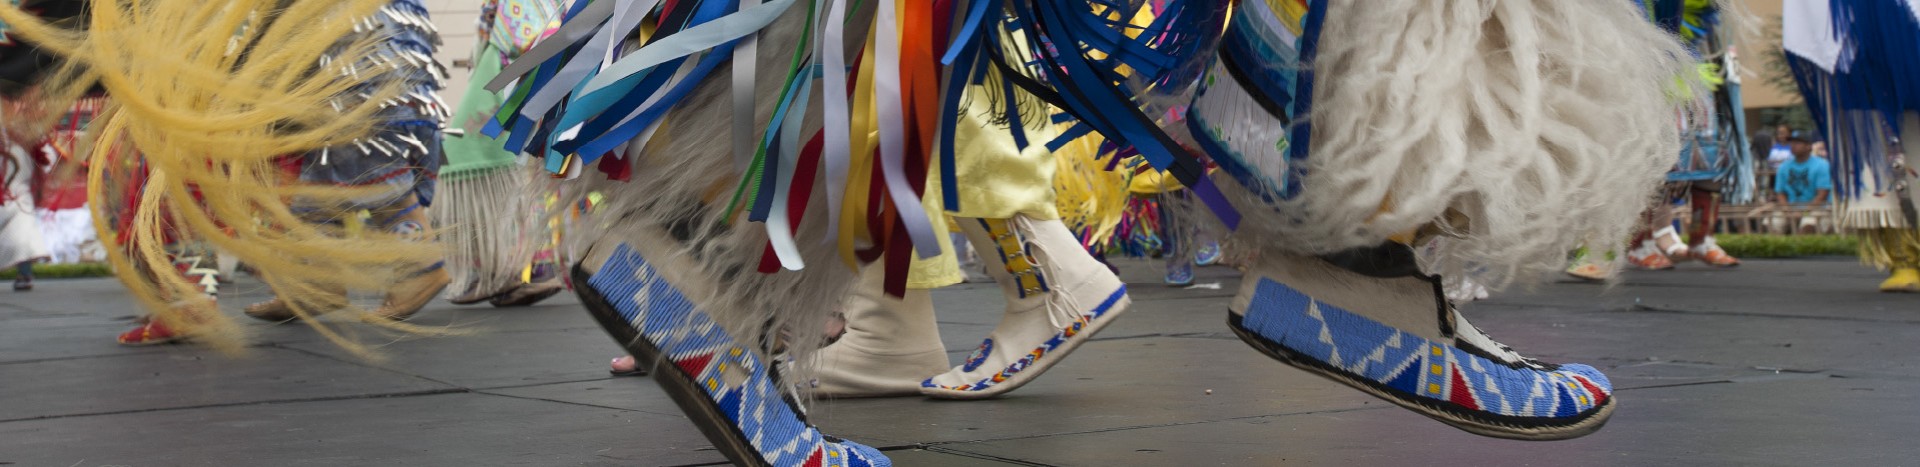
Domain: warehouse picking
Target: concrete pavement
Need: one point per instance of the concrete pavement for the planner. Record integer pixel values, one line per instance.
(1774, 363)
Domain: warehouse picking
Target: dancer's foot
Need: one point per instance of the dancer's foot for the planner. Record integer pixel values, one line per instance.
(1466, 291)
(1585, 267)
(274, 309)
(1589, 271)
(528, 294)
(277, 310)
(408, 218)
(542, 281)
(1711, 253)
(1058, 296)
(1208, 255)
(409, 296)
(727, 389)
(149, 333)
(1905, 280)
(474, 293)
(888, 345)
(625, 365)
(1179, 274)
(1669, 242)
(1375, 323)
(1647, 256)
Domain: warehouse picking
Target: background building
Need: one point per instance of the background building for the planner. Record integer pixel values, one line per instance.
(1767, 87)
(457, 21)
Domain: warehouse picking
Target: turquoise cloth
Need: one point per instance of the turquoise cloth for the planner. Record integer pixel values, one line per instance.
(1801, 181)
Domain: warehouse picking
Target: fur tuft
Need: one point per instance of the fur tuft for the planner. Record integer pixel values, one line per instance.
(1546, 125)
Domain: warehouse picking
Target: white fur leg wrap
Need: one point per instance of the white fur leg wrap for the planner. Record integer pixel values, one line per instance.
(1547, 124)
(673, 212)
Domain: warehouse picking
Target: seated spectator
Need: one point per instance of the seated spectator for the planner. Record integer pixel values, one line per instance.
(1804, 181)
(1781, 150)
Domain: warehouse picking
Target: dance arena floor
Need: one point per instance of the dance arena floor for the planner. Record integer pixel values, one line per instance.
(1773, 363)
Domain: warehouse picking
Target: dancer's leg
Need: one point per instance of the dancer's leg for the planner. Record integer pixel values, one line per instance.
(1656, 241)
(675, 276)
(1706, 213)
(1327, 291)
(729, 387)
(326, 299)
(891, 344)
(23, 276)
(1902, 245)
(970, 266)
(155, 331)
(1898, 251)
(1176, 242)
(22, 241)
(408, 217)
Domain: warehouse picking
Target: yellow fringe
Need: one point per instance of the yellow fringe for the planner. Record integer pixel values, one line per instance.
(1091, 199)
(1887, 248)
(202, 118)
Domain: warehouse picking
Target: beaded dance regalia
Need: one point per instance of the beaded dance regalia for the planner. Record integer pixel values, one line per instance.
(752, 152)
(1856, 66)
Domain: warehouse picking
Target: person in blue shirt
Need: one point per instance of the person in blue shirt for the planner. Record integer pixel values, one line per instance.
(1805, 180)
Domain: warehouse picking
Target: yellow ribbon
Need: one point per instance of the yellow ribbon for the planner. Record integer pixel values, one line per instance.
(863, 141)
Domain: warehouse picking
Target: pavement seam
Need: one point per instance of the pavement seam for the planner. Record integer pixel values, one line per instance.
(1643, 308)
(549, 383)
(1698, 286)
(581, 404)
(934, 449)
(364, 364)
(424, 392)
(130, 353)
(975, 455)
(485, 391)
(1125, 337)
(1162, 425)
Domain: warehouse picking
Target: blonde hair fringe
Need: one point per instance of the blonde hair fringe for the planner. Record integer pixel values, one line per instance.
(209, 95)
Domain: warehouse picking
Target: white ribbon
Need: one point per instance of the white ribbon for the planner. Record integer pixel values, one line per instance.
(835, 151)
(745, 59)
(690, 41)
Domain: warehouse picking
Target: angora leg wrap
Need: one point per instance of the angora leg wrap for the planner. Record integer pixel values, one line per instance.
(492, 225)
(1547, 124)
(674, 208)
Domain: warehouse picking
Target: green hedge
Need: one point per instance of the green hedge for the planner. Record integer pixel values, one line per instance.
(59, 271)
(1780, 246)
